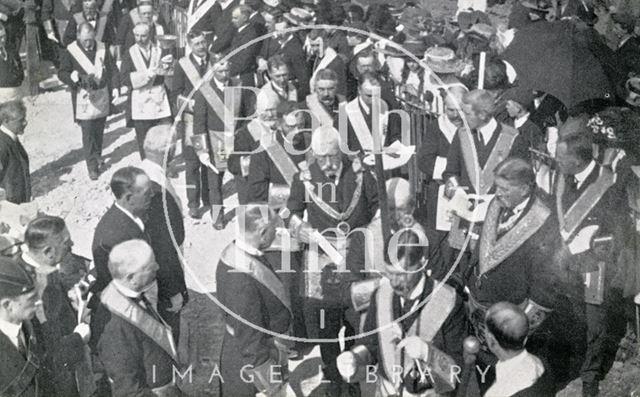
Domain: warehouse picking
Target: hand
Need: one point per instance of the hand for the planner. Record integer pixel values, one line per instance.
(347, 364)
(245, 162)
(262, 65)
(75, 77)
(415, 348)
(84, 331)
(176, 303)
(582, 241)
(124, 90)
(115, 93)
(204, 158)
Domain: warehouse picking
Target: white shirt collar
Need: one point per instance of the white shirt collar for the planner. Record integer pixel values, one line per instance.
(447, 128)
(520, 207)
(11, 330)
(488, 129)
(247, 248)
(241, 28)
(624, 41)
(584, 174)
(225, 4)
(219, 84)
(29, 259)
(126, 291)
(9, 133)
(134, 218)
(515, 374)
(519, 121)
(416, 291)
(198, 59)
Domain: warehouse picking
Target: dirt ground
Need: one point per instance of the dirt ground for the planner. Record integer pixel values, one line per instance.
(61, 187)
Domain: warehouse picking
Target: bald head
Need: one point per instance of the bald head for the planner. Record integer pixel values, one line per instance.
(399, 194)
(158, 141)
(325, 141)
(508, 325)
(133, 264)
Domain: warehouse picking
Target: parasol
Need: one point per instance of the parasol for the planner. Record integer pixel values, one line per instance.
(551, 57)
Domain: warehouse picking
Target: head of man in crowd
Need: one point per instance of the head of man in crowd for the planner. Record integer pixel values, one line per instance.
(13, 116)
(240, 16)
(133, 265)
(86, 36)
(624, 25)
(279, 72)
(367, 84)
(326, 87)
(18, 294)
(258, 226)
(221, 71)
(407, 253)
(146, 12)
(357, 35)
(158, 142)
(317, 42)
(366, 62)
(401, 202)
(514, 182)
(325, 146)
(142, 34)
(453, 104)
(507, 330)
(293, 122)
(197, 43)
(478, 107)
(48, 240)
(574, 150)
(132, 190)
(90, 9)
(267, 108)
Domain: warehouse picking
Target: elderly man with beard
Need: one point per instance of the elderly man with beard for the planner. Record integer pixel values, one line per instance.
(338, 196)
(249, 287)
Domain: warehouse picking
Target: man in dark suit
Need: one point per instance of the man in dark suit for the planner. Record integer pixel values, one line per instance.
(209, 130)
(56, 14)
(188, 72)
(323, 104)
(243, 63)
(14, 161)
(321, 56)
(48, 242)
(123, 221)
(627, 55)
(593, 220)
(102, 22)
(133, 342)
(248, 353)
(166, 235)
(519, 104)
(143, 13)
(25, 369)
(88, 68)
(219, 17)
(11, 71)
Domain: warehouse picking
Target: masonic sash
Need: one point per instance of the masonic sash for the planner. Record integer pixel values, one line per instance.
(148, 102)
(276, 152)
(91, 104)
(318, 110)
(360, 127)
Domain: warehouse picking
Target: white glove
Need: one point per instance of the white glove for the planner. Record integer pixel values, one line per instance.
(415, 348)
(75, 77)
(204, 158)
(84, 331)
(347, 364)
(52, 36)
(582, 241)
(124, 90)
(245, 162)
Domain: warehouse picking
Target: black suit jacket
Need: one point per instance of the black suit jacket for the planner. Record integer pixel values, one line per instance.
(109, 36)
(243, 63)
(220, 21)
(135, 362)
(11, 71)
(393, 132)
(170, 276)
(14, 170)
(13, 362)
(114, 228)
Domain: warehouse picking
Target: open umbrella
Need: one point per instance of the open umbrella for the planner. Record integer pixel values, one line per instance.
(552, 57)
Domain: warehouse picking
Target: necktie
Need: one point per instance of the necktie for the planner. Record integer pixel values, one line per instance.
(572, 183)
(22, 345)
(480, 138)
(148, 306)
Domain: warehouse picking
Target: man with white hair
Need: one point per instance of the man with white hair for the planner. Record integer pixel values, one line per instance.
(143, 13)
(166, 232)
(247, 140)
(88, 68)
(211, 133)
(133, 342)
(142, 72)
(338, 195)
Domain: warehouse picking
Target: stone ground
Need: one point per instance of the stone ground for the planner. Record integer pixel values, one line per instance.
(61, 187)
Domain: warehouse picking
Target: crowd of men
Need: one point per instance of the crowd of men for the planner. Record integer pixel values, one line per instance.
(498, 259)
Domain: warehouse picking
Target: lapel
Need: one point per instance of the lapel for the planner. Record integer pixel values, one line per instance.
(494, 251)
(11, 352)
